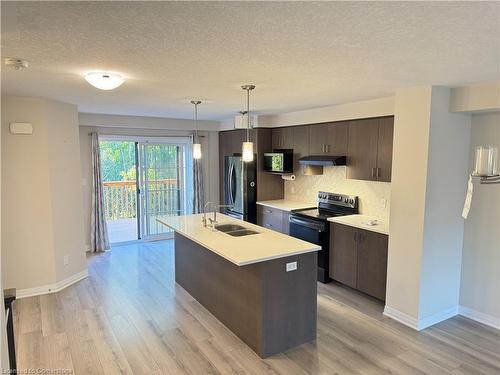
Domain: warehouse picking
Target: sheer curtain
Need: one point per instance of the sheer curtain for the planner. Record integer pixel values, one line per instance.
(99, 240)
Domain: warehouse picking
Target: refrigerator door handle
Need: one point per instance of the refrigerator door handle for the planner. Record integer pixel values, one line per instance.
(230, 184)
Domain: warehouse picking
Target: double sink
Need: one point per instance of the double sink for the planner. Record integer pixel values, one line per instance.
(234, 230)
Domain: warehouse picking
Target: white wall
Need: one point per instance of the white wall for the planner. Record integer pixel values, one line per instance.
(480, 281)
(446, 183)
(428, 187)
(347, 111)
(143, 122)
(26, 201)
(483, 96)
(4, 352)
(412, 112)
(210, 149)
(41, 204)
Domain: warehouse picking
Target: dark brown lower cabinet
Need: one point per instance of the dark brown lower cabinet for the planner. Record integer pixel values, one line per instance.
(273, 218)
(343, 260)
(358, 258)
(372, 263)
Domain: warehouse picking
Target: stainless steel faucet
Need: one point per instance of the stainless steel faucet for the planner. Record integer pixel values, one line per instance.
(204, 220)
(216, 207)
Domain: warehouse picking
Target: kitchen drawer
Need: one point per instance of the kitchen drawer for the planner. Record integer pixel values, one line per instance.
(271, 218)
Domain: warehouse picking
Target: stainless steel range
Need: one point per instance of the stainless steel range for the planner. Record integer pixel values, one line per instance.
(312, 225)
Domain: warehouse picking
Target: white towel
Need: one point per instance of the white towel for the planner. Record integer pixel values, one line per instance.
(468, 198)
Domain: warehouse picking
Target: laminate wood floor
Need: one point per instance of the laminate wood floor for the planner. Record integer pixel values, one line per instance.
(129, 317)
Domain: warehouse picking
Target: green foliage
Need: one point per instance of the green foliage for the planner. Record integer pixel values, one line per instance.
(118, 161)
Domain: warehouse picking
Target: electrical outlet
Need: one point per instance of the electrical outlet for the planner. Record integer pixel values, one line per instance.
(292, 266)
(66, 260)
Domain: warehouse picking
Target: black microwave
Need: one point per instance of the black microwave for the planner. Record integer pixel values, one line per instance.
(278, 161)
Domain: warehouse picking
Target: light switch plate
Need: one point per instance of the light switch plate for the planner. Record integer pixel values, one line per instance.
(292, 266)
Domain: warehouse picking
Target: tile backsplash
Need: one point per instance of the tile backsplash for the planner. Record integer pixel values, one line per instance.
(374, 197)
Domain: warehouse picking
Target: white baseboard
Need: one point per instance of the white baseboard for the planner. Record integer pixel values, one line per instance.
(480, 317)
(436, 318)
(401, 317)
(419, 324)
(52, 288)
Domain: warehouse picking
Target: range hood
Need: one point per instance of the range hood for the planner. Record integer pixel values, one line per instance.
(323, 160)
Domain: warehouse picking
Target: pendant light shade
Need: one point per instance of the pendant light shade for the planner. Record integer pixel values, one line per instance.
(247, 151)
(196, 151)
(196, 143)
(247, 147)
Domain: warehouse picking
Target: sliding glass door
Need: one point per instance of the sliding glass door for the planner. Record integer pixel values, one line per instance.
(144, 179)
(118, 170)
(163, 189)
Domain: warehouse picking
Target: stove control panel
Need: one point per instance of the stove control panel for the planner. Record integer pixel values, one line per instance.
(335, 199)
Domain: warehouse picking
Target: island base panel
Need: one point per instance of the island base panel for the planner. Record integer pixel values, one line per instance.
(269, 309)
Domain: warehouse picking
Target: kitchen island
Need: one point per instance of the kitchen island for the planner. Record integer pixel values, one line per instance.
(262, 286)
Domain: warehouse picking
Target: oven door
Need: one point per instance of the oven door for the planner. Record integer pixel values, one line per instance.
(316, 233)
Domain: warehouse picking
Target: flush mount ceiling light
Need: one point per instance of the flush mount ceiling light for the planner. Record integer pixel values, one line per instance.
(104, 80)
(247, 147)
(16, 63)
(196, 143)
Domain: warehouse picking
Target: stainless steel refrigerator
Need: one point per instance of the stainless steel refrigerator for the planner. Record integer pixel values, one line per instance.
(240, 187)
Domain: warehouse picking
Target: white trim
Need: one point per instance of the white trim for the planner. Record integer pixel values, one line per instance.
(436, 318)
(419, 324)
(52, 288)
(401, 317)
(149, 139)
(480, 317)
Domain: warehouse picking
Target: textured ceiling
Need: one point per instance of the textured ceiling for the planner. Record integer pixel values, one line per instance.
(299, 54)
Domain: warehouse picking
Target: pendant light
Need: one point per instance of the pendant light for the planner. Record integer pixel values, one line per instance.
(196, 143)
(247, 147)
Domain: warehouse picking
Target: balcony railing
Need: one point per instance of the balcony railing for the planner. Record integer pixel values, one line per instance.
(120, 198)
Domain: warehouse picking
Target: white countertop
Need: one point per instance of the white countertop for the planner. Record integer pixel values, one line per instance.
(286, 205)
(265, 245)
(360, 221)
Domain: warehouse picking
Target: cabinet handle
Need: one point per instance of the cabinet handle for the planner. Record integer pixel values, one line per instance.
(268, 225)
(373, 172)
(327, 148)
(324, 148)
(269, 211)
(378, 172)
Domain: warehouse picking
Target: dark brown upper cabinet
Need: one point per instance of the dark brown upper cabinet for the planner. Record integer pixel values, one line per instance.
(282, 138)
(369, 149)
(300, 135)
(328, 138)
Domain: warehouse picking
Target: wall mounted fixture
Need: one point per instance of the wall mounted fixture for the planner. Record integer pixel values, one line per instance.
(196, 140)
(104, 80)
(247, 147)
(486, 166)
(16, 63)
